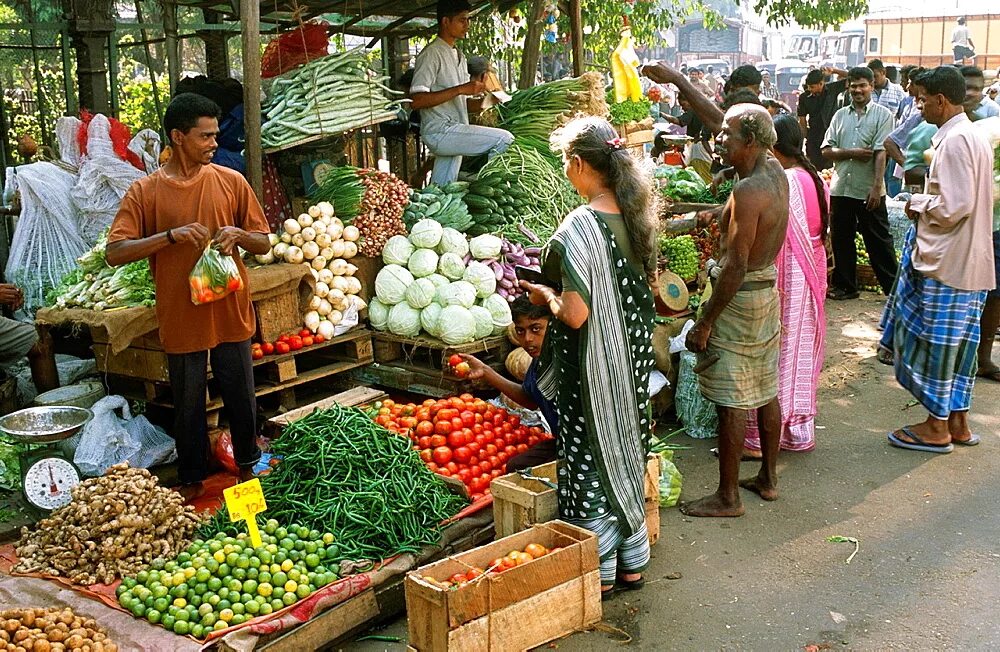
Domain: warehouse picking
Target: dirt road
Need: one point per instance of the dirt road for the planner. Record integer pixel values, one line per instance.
(928, 572)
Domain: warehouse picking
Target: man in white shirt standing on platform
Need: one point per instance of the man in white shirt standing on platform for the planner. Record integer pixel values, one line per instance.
(931, 322)
(962, 45)
(439, 90)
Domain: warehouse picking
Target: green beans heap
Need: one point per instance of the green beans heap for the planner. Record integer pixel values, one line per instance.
(342, 473)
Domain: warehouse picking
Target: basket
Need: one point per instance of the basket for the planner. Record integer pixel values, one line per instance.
(866, 277)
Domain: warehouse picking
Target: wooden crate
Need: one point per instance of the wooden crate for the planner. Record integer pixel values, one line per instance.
(651, 490)
(420, 380)
(518, 609)
(518, 503)
(277, 315)
(433, 353)
(351, 398)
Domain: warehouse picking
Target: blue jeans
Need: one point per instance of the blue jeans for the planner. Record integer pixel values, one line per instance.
(453, 142)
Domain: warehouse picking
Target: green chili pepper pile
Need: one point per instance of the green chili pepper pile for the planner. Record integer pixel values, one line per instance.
(342, 473)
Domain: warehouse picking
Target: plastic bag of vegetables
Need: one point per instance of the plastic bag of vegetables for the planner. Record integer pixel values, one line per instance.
(213, 277)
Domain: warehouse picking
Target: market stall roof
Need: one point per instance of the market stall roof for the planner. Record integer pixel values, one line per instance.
(373, 18)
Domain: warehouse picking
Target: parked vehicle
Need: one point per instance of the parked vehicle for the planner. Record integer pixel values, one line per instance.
(804, 45)
(788, 77)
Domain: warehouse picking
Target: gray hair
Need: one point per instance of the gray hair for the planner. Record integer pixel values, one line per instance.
(755, 122)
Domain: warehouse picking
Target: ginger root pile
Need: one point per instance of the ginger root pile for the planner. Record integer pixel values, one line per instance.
(114, 526)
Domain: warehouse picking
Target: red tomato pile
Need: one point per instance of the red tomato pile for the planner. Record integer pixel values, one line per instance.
(286, 343)
(462, 437)
(514, 558)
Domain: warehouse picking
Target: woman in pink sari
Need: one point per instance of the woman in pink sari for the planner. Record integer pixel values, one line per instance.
(802, 288)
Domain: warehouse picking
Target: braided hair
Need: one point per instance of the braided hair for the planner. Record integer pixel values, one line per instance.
(790, 144)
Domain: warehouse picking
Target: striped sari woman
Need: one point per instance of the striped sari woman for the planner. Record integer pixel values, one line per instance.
(598, 353)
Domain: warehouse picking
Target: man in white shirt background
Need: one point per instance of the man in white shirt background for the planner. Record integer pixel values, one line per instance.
(961, 43)
(440, 88)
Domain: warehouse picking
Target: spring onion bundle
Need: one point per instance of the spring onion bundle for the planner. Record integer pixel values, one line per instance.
(95, 285)
(342, 187)
(326, 96)
(537, 111)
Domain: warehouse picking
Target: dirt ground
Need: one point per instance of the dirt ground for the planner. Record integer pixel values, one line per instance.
(928, 572)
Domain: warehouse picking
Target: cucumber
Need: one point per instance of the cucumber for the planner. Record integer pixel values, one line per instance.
(456, 186)
(432, 209)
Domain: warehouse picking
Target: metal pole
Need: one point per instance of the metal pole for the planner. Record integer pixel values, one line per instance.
(72, 106)
(113, 71)
(149, 65)
(172, 44)
(250, 39)
(43, 118)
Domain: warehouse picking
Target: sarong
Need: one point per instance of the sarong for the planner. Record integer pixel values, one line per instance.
(801, 267)
(746, 337)
(598, 378)
(933, 331)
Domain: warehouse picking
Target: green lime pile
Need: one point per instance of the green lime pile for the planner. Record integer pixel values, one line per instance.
(225, 581)
(682, 255)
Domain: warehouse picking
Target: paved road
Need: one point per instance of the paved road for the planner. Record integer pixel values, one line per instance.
(928, 572)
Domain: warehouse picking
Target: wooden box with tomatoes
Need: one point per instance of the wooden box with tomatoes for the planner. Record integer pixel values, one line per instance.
(513, 594)
(519, 502)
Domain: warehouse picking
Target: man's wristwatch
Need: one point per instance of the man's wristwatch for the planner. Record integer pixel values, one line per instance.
(170, 237)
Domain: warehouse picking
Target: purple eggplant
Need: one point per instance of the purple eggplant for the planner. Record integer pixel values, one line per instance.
(528, 233)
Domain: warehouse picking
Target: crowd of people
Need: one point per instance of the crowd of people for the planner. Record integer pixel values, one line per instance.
(787, 245)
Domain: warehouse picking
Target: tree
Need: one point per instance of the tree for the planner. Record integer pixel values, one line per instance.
(818, 14)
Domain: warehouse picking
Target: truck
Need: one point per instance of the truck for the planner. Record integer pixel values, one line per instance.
(926, 40)
(803, 45)
(738, 42)
(844, 48)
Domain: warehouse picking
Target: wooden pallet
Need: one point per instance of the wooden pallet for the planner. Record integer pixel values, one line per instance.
(432, 353)
(274, 374)
(351, 398)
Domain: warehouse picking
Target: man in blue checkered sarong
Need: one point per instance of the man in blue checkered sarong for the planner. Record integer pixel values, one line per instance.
(931, 321)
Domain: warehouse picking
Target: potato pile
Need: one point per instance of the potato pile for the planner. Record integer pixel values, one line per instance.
(51, 630)
(114, 526)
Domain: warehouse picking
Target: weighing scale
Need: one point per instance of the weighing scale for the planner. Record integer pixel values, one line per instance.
(47, 476)
(675, 144)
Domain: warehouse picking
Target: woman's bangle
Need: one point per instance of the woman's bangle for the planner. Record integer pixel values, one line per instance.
(170, 237)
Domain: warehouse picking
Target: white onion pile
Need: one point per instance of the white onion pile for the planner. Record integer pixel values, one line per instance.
(320, 241)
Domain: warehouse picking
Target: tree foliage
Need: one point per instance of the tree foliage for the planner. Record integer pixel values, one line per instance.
(818, 14)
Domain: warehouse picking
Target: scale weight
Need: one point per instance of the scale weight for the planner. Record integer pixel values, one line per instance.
(47, 478)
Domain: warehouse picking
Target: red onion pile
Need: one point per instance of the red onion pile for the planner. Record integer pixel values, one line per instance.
(381, 214)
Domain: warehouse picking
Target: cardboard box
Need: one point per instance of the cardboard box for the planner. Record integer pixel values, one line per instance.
(519, 609)
(518, 503)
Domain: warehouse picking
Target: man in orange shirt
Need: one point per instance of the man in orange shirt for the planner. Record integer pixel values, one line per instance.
(170, 217)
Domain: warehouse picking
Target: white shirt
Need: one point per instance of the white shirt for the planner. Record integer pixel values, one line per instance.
(960, 36)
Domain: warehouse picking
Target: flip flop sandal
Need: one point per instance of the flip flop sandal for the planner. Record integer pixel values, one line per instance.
(884, 356)
(610, 593)
(971, 441)
(993, 375)
(630, 585)
(917, 444)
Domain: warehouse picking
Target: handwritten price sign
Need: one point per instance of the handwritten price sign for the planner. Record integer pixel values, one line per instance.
(244, 501)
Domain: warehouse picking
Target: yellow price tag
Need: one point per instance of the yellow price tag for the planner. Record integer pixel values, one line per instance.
(244, 501)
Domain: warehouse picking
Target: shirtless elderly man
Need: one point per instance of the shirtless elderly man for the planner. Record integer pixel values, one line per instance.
(741, 324)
